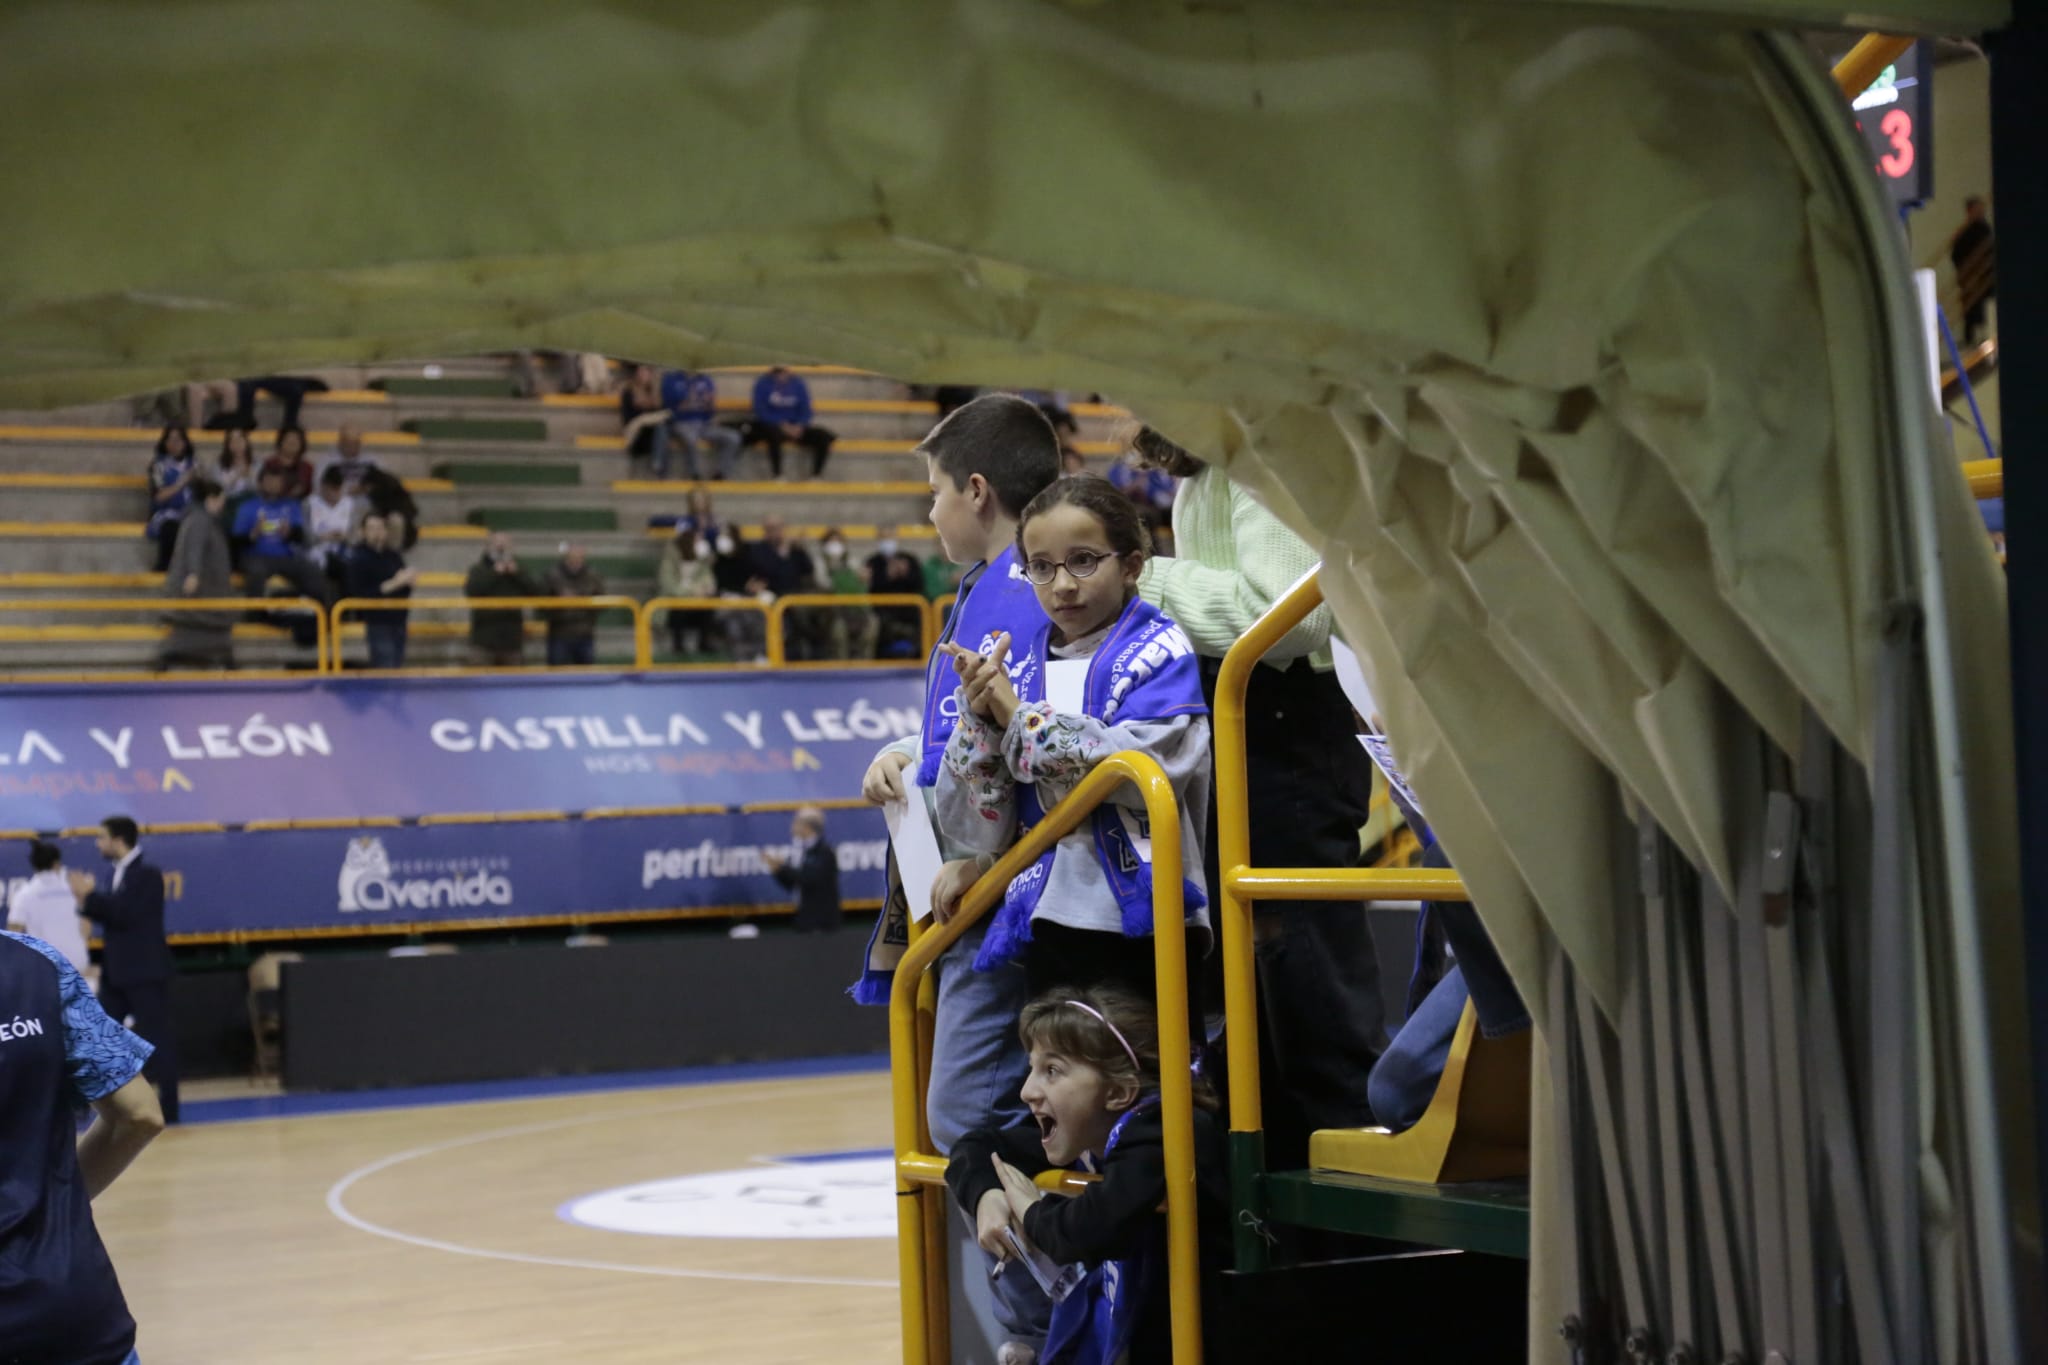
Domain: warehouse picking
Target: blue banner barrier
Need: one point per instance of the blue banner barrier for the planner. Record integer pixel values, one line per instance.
(341, 748)
(382, 879)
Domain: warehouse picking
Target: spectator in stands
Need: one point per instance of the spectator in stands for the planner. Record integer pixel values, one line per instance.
(1151, 488)
(899, 630)
(375, 569)
(236, 468)
(136, 968)
(44, 908)
(782, 413)
(1072, 462)
(732, 570)
(170, 490)
(1054, 405)
(497, 637)
(272, 527)
(1309, 792)
(786, 568)
(701, 518)
(201, 566)
(950, 398)
(1973, 253)
(814, 876)
(941, 576)
(782, 565)
(238, 400)
(685, 571)
(853, 628)
(691, 400)
(331, 516)
(290, 461)
(62, 1301)
(643, 421)
(388, 498)
(572, 631)
(349, 458)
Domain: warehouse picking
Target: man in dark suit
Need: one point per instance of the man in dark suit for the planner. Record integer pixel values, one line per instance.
(135, 962)
(814, 876)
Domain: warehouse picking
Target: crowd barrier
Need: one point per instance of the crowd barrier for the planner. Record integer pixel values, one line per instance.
(342, 621)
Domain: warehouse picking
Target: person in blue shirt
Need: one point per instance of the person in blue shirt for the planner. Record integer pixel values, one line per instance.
(692, 403)
(59, 1052)
(782, 414)
(170, 491)
(271, 526)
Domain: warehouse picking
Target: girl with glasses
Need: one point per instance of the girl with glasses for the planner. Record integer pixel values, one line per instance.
(1105, 672)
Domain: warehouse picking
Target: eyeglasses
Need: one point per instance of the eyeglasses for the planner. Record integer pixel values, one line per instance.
(1080, 563)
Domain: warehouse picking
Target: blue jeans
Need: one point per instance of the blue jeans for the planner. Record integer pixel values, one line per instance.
(978, 1066)
(387, 642)
(568, 650)
(1404, 1080)
(722, 441)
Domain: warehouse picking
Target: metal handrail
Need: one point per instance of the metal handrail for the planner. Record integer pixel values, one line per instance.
(643, 627)
(1866, 61)
(237, 605)
(369, 604)
(920, 1176)
(1243, 884)
(928, 630)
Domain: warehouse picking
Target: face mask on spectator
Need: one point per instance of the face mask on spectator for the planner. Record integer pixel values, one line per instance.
(725, 545)
(835, 549)
(886, 548)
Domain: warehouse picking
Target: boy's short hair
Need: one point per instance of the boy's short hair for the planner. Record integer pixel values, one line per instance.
(44, 855)
(1001, 437)
(122, 827)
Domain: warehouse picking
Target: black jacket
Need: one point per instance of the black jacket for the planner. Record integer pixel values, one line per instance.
(816, 882)
(1113, 1219)
(131, 924)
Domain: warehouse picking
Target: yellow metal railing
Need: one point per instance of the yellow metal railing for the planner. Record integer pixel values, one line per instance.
(928, 630)
(329, 621)
(921, 1175)
(1866, 61)
(476, 604)
(153, 606)
(1243, 885)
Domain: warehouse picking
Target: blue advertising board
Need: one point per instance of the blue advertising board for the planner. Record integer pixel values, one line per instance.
(341, 748)
(385, 879)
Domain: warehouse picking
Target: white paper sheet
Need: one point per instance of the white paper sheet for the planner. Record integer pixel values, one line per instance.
(1066, 685)
(917, 850)
(1351, 678)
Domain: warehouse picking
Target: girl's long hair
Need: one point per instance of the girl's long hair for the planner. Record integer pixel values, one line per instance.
(1059, 1021)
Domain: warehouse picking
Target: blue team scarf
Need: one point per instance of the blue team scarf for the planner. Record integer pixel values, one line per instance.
(1000, 602)
(1144, 670)
(1094, 1323)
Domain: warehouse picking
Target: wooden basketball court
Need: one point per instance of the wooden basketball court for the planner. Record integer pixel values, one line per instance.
(445, 1233)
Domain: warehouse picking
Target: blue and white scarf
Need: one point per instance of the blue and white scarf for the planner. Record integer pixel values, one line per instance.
(1094, 1324)
(1144, 670)
(1000, 602)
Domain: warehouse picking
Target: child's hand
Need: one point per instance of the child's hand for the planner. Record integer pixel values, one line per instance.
(955, 880)
(991, 1220)
(884, 780)
(1017, 1188)
(985, 681)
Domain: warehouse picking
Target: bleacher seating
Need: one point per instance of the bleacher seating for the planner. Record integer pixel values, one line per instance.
(476, 457)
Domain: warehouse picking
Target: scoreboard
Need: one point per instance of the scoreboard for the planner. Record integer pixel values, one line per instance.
(1896, 118)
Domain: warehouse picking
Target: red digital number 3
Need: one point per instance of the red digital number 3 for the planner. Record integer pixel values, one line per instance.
(1898, 127)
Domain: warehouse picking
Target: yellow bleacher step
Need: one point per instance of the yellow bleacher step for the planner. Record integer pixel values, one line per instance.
(860, 446)
(903, 488)
(148, 435)
(851, 530)
(1475, 1128)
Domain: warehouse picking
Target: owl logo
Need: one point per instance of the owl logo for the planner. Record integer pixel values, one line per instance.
(366, 862)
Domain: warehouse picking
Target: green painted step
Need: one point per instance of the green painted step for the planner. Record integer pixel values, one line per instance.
(474, 387)
(545, 518)
(477, 428)
(617, 568)
(472, 473)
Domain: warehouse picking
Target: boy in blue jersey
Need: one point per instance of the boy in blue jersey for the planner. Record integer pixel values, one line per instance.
(271, 526)
(59, 1052)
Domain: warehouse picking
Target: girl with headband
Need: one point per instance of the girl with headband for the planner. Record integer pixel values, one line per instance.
(1093, 1093)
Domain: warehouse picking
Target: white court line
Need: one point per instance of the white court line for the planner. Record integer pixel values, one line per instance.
(337, 1205)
